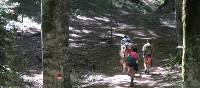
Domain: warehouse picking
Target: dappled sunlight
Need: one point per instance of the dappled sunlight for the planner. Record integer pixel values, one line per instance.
(79, 31)
(36, 79)
(151, 3)
(102, 42)
(102, 79)
(168, 22)
(153, 33)
(145, 38)
(139, 33)
(74, 30)
(158, 78)
(102, 19)
(119, 34)
(76, 45)
(84, 17)
(86, 31)
(124, 26)
(71, 40)
(96, 29)
(28, 25)
(124, 12)
(74, 35)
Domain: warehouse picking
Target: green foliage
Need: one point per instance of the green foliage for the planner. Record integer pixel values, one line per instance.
(9, 77)
(131, 7)
(175, 58)
(2, 35)
(148, 20)
(86, 7)
(8, 51)
(30, 8)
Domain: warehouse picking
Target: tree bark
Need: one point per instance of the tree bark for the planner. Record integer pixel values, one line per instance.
(179, 24)
(55, 41)
(191, 40)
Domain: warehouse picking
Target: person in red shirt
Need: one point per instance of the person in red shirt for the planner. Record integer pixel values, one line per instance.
(132, 62)
(123, 53)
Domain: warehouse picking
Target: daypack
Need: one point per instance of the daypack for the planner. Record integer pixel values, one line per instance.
(132, 62)
(148, 50)
(134, 55)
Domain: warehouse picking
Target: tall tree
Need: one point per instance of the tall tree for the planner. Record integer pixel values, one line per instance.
(179, 20)
(191, 40)
(55, 41)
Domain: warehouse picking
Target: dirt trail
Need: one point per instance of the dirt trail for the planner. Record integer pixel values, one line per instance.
(107, 73)
(159, 77)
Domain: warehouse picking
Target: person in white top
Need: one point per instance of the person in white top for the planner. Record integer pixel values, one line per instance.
(147, 55)
(125, 43)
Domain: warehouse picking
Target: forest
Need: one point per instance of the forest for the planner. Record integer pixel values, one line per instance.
(76, 43)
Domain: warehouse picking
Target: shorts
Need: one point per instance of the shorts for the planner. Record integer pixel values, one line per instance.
(135, 66)
(123, 60)
(147, 59)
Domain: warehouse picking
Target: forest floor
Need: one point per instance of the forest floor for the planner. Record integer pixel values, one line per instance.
(108, 74)
(159, 77)
(99, 67)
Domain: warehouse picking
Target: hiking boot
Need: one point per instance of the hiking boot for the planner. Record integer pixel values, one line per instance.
(148, 72)
(145, 71)
(131, 84)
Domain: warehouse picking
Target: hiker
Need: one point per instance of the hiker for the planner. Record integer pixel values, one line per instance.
(132, 62)
(147, 55)
(125, 42)
(125, 39)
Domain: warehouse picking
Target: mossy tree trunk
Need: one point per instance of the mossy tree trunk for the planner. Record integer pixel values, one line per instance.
(179, 24)
(191, 41)
(55, 41)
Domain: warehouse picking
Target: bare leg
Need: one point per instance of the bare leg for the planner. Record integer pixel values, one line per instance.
(131, 74)
(148, 68)
(149, 65)
(124, 67)
(145, 66)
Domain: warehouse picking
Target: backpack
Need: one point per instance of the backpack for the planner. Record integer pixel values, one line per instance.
(148, 50)
(133, 55)
(132, 62)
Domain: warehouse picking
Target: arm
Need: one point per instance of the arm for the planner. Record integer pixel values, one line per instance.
(137, 61)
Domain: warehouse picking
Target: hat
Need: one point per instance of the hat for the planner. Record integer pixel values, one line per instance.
(125, 36)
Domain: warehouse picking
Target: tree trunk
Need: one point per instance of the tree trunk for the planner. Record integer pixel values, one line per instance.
(179, 24)
(191, 41)
(55, 41)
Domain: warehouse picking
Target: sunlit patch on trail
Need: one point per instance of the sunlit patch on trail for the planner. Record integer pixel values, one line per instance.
(84, 17)
(119, 34)
(124, 12)
(76, 45)
(139, 33)
(153, 33)
(79, 31)
(74, 35)
(145, 38)
(111, 81)
(74, 30)
(103, 19)
(168, 23)
(36, 79)
(86, 31)
(158, 78)
(28, 25)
